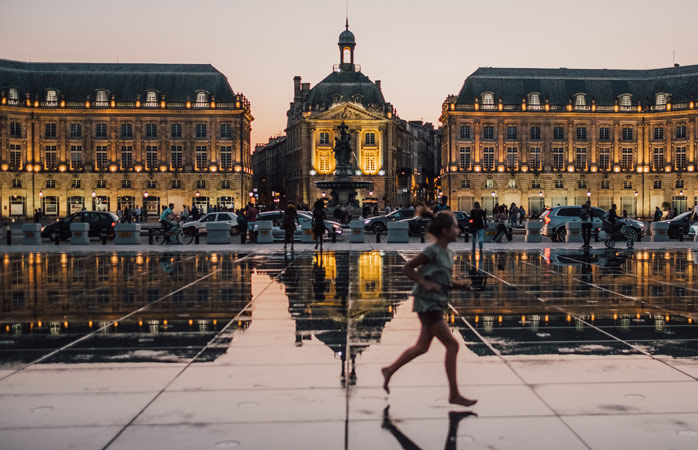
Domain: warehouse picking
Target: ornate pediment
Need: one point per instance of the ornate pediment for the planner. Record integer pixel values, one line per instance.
(348, 111)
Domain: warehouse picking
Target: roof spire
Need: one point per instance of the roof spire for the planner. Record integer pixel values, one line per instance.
(347, 25)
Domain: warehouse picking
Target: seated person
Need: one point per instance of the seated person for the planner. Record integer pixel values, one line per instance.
(167, 218)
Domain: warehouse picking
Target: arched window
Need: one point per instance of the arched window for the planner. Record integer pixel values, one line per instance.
(51, 95)
(151, 98)
(201, 98)
(580, 100)
(626, 100)
(534, 99)
(660, 99)
(102, 98)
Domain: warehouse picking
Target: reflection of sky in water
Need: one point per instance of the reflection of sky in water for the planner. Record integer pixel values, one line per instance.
(174, 307)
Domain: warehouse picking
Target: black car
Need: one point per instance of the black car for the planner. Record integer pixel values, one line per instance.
(380, 223)
(99, 221)
(416, 223)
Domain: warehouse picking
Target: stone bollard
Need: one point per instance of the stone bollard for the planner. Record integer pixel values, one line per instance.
(264, 232)
(490, 232)
(533, 231)
(357, 231)
(80, 233)
(8, 235)
(127, 234)
(31, 234)
(218, 233)
(660, 231)
(398, 233)
(306, 232)
(574, 232)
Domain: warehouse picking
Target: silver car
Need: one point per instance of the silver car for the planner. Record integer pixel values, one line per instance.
(213, 217)
(554, 221)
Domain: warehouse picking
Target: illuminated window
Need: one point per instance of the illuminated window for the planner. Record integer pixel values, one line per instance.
(126, 157)
(580, 100)
(625, 100)
(102, 98)
(201, 99)
(658, 159)
(534, 162)
(151, 157)
(534, 99)
(15, 156)
(324, 162)
(201, 157)
(488, 158)
(627, 163)
(13, 95)
(151, 99)
(512, 158)
(465, 158)
(580, 162)
(226, 157)
(50, 157)
(681, 158)
(558, 158)
(511, 184)
(51, 96)
(488, 99)
(489, 184)
(101, 157)
(176, 153)
(605, 159)
(76, 157)
(370, 163)
(660, 99)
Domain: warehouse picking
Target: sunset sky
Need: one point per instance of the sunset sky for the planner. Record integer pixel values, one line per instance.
(421, 51)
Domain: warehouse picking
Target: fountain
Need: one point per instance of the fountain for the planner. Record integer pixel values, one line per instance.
(342, 188)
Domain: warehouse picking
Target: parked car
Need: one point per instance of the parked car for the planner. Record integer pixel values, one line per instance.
(416, 223)
(680, 224)
(554, 221)
(99, 221)
(380, 223)
(278, 233)
(213, 217)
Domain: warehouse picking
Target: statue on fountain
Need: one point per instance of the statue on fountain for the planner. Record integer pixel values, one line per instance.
(342, 152)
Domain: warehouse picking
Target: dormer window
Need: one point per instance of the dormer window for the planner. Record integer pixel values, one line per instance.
(660, 99)
(201, 99)
(534, 99)
(51, 96)
(488, 98)
(151, 98)
(102, 98)
(626, 101)
(13, 95)
(580, 100)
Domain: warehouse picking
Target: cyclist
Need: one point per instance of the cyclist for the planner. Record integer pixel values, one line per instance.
(167, 219)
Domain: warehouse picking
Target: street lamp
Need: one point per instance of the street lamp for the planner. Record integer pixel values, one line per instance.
(540, 194)
(588, 194)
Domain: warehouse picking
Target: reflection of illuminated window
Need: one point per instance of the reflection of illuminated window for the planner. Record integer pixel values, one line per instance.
(370, 274)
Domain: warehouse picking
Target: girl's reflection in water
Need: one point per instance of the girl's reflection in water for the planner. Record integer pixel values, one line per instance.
(454, 418)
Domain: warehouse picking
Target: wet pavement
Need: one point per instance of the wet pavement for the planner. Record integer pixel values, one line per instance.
(249, 349)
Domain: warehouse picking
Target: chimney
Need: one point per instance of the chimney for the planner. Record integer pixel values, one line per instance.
(305, 87)
(378, 83)
(296, 88)
(676, 64)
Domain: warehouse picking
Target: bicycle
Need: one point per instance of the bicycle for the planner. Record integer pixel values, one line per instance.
(173, 235)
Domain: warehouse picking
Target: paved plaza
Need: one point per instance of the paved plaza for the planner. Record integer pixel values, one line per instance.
(239, 346)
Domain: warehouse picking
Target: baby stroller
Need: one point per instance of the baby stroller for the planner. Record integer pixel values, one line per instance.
(618, 232)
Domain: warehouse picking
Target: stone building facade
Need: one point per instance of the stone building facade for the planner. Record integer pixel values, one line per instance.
(543, 137)
(386, 149)
(269, 172)
(109, 136)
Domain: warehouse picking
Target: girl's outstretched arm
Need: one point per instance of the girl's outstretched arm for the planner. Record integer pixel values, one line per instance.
(410, 271)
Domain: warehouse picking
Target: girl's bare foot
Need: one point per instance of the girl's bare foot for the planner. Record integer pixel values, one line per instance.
(460, 400)
(386, 379)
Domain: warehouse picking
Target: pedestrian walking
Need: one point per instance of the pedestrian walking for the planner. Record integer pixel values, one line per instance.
(289, 222)
(318, 222)
(586, 215)
(431, 271)
(477, 225)
(501, 218)
(252, 214)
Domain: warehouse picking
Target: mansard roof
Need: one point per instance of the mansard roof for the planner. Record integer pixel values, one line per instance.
(344, 86)
(602, 85)
(77, 81)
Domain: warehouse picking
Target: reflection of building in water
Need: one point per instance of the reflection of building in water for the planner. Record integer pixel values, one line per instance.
(345, 306)
(49, 299)
(646, 296)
